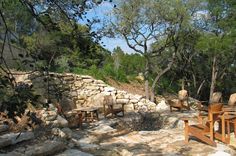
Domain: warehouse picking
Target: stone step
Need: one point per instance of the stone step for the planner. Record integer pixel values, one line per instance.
(4, 128)
(47, 148)
(14, 138)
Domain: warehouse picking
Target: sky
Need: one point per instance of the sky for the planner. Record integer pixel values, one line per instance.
(101, 12)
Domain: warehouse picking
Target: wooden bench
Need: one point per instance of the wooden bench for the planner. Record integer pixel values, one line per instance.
(109, 107)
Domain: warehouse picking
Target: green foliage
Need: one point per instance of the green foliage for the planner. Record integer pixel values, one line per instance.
(14, 99)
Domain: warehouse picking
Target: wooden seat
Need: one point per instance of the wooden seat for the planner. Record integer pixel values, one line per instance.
(109, 107)
(205, 132)
(182, 97)
(203, 109)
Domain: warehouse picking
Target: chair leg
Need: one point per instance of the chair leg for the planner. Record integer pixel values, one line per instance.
(186, 131)
(212, 131)
(228, 129)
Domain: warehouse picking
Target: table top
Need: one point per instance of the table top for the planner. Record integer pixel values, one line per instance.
(86, 109)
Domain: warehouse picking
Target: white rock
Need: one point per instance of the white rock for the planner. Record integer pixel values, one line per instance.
(220, 153)
(122, 101)
(99, 82)
(105, 93)
(58, 132)
(102, 129)
(140, 103)
(129, 107)
(109, 89)
(96, 101)
(62, 121)
(88, 80)
(138, 97)
(50, 117)
(134, 100)
(162, 106)
(63, 133)
(86, 77)
(78, 84)
(91, 87)
(125, 152)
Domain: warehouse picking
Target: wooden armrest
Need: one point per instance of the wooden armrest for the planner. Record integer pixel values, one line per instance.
(186, 118)
(220, 112)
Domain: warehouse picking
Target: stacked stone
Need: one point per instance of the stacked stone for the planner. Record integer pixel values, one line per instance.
(85, 91)
(51, 117)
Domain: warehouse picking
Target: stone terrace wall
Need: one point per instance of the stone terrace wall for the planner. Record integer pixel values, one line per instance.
(81, 90)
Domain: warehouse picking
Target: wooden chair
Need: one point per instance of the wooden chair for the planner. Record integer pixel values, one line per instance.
(205, 132)
(182, 97)
(109, 108)
(229, 117)
(203, 109)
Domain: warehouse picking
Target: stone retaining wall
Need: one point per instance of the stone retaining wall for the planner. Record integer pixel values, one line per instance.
(76, 91)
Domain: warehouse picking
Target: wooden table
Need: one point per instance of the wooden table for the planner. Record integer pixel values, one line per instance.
(89, 113)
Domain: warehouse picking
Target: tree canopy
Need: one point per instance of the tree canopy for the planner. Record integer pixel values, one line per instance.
(177, 44)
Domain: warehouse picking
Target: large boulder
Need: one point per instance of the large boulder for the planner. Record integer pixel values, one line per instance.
(14, 138)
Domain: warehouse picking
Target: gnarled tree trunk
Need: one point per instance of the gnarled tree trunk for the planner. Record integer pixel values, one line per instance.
(214, 75)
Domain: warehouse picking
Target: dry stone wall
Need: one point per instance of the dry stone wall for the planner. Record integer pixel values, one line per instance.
(75, 91)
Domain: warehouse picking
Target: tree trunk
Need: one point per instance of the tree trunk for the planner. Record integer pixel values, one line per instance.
(200, 87)
(146, 78)
(213, 77)
(146, 89)
(159, 76)
(182, 85)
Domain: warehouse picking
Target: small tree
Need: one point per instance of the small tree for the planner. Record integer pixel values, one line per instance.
(218, 39)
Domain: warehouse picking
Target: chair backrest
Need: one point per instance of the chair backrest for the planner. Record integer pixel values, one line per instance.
(232, 100)
(213, 108)
(216, 97)
(108, 100)
(183, 94)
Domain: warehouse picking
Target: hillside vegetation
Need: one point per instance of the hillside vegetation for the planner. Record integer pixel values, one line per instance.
(176, 43)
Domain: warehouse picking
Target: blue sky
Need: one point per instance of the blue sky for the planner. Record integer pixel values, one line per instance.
(101, 12)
